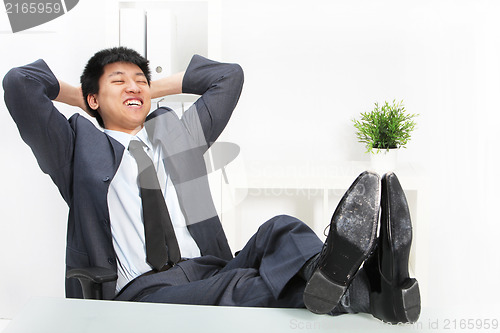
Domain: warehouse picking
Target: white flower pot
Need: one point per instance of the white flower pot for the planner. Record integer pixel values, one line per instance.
(383, 160)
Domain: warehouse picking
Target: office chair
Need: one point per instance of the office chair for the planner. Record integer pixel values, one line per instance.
(91, 280)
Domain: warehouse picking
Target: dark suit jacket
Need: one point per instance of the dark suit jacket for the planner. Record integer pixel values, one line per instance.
(82, 160)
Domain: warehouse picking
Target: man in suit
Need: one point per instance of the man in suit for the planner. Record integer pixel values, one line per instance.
(101, 178)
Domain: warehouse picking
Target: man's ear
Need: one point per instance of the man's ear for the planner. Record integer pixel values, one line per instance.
(92, 100)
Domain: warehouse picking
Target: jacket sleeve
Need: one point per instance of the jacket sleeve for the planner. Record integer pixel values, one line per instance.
(219, 85)
(29, 91)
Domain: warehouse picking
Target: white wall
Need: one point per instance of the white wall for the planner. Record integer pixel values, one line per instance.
(310, 68)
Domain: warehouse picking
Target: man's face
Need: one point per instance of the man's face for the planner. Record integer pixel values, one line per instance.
(124, 97)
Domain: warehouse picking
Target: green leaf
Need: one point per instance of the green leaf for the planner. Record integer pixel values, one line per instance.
(388, 126)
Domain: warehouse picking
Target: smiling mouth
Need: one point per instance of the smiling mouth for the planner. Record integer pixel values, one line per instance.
(133, 102)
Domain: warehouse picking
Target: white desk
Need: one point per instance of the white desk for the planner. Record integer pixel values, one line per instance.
(3, 324)
(54, 315)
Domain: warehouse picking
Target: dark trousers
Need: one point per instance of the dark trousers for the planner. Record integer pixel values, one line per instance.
(263, 274)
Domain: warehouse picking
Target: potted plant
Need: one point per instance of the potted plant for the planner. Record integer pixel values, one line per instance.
(384, 130)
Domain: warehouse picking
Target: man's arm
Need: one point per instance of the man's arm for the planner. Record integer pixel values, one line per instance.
(170, 85)
(70, 95)
(29, 91)
(220, 85)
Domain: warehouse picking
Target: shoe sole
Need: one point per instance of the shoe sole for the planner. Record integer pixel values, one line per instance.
(397, 288)
(406, 296)
(352, 233)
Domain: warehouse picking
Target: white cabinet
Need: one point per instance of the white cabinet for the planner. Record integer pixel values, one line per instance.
(167, 33)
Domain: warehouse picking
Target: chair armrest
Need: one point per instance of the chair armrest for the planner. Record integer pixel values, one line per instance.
(91, 279)
(94, 274)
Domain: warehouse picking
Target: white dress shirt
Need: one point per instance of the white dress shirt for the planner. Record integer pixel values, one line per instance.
(125, 211)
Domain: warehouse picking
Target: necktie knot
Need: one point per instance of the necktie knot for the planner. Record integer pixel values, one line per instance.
(135, 144)
(146, 171)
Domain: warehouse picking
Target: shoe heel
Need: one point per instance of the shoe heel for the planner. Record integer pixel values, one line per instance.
(321, 294)
(396, 304)
(410, 297)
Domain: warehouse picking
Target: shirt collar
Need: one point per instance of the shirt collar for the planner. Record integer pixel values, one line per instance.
(124, 138)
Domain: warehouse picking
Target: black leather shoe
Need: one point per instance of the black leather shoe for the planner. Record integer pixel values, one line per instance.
(350, 240)
(394, 296)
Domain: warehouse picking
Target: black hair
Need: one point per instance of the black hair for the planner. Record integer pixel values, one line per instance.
(95, 68)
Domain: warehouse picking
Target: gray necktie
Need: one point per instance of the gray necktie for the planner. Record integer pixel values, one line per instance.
(158, 227)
